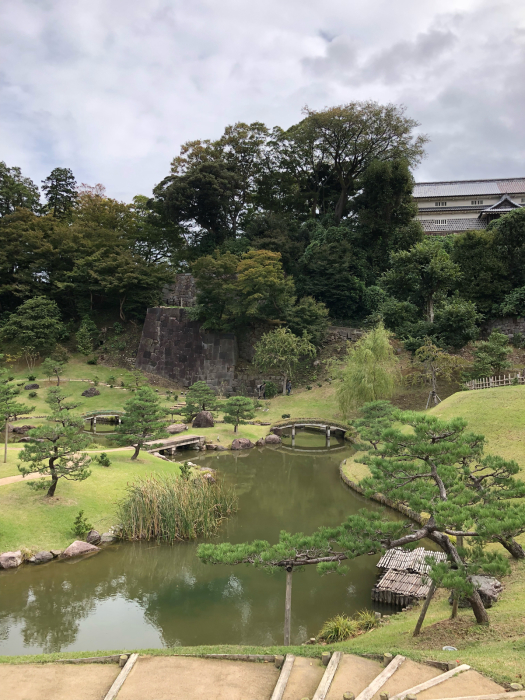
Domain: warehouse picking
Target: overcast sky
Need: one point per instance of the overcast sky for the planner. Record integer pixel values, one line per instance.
(112, 88)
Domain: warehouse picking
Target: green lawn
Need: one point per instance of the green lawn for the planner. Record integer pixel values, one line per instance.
(29, 519)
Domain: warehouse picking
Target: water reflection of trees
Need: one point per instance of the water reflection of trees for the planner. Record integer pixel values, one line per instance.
(186, 601)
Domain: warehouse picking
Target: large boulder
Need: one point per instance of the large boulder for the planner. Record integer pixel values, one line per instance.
(10, 560)
(260, 442)
(31, 386)
(272, 440)
(22, 428)
(92, 391)
(77, 548)
(41, 558)
(176, 428)
(489, 590)
(204, 419)
(242, 444)
(93, 537)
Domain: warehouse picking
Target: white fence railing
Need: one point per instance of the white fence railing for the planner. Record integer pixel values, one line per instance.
(500, 380)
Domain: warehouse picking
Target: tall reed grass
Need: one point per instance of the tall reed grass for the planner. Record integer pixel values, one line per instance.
(169, 509)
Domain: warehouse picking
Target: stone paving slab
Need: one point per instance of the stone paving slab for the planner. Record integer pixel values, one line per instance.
(354, 674)
(408, 675)
(191, 678)
(56, 681)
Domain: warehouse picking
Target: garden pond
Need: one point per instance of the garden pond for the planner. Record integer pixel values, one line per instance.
(144, 595)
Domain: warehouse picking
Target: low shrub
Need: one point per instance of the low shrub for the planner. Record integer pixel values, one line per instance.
(341, 627)
(285, 415)
(308, 387)
(170, 509)
(81, 526)
(271, 390)
(10, 378)
(92, 361)
(103, 460)
(31, 377)
(32, 394)
(338, 629)
(118, 328)
(112, 380)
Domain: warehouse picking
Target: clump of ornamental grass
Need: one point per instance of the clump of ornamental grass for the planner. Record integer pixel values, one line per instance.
(341, 627)
(170, 509)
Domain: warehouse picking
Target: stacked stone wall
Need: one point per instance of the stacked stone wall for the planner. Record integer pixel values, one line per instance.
(178, 349)
(182, 293)
(509, 326)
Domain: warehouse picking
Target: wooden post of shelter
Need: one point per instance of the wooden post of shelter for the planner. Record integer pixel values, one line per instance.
(288, 607)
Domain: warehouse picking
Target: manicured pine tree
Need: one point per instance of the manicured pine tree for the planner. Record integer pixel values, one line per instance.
(50, 367)
(143, 421)
(57, 448)
(200, 397)
(238, 410)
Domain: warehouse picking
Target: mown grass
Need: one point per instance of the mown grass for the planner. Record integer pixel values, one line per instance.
(29, 519)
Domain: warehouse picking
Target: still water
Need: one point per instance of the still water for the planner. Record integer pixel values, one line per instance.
(143, 595)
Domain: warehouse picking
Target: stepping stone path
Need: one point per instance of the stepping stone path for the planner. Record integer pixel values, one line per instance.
(346, 677)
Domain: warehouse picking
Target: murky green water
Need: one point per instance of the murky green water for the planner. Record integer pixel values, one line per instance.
(143, 595)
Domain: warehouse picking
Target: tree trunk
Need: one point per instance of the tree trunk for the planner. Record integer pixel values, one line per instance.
(52, 488)
(235, 427)
(341, 204)
(455, 594)
(424, 609)
(284, 385)
(6, 437)
(58, 380)
(430, 309)
(288, 608)
(121, 309)
(136, 453)
(510, 544)
(478, 609)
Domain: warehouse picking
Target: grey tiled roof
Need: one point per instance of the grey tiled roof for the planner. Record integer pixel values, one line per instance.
(454, 225)
(469, 188)
(439, 211)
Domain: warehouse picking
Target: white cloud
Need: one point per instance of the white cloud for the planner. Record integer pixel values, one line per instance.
(112, 89)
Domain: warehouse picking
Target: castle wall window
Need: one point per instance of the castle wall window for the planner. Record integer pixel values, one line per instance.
(439, 222)
(440, 204)
(477, 201)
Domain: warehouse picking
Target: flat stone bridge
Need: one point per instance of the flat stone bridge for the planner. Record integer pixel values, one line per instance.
(93, 415)
(171, 444)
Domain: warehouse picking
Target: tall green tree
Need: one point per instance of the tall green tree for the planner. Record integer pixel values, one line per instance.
(264, 293)
(347, 139)
(60, 191)
(491, 356)
(52, 367)
(57, 449)
(17, 191)
(144, 420)
(36, 323)
(433, 364)
(369, 372)
(280, 351)
(238, 410)
(310, 316)
(420, 275)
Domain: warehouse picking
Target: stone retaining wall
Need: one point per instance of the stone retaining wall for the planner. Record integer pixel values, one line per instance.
(178, 349)
(508, 326)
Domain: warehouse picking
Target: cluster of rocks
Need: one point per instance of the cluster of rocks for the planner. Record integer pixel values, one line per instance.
(31, 386)
(12, 560)
(176, 428)
(92, 391)
(17, 429)
(245, 444)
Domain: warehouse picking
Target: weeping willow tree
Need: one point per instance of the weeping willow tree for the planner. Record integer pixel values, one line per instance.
(370, 371)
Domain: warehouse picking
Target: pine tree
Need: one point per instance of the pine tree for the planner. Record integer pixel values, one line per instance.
(143, 421)
(9, 409)
(60, 190)
(237, 410)
(200, 397)
(57, 448)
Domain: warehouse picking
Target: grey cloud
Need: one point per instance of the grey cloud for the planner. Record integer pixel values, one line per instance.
(112, 89)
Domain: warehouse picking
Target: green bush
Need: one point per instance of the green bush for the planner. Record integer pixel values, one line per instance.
(366, 620)
(518, 340)
(338, 629)
(103, 460)
(118, 328)
(285, 415)
(92, 361)
(81, 526)
(10, 378)
(271, 390)
(308, 387)
(112, 380)
(32, 394)
(170, 509)
(32, 377)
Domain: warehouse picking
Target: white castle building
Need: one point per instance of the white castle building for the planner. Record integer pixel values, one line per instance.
(466, 205)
